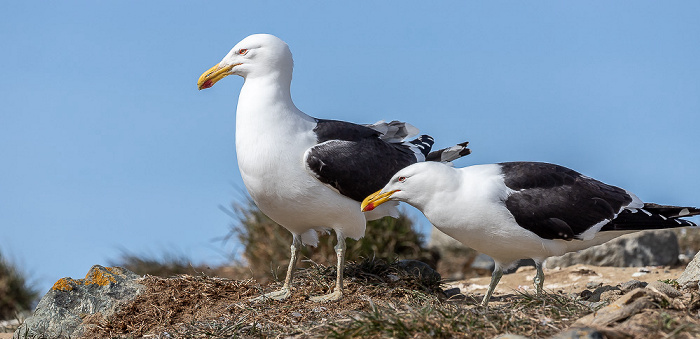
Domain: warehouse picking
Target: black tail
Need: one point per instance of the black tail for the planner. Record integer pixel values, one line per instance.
(652, 216)
(424, 143)
(672, 211)
(450, 153)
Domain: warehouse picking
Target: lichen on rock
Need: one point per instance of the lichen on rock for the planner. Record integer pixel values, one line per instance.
(61, 312)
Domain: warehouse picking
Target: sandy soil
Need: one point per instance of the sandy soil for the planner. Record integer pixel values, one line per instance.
(569, 279)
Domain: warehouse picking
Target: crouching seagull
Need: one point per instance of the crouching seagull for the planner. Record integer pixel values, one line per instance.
(310, 174)
(519, 210)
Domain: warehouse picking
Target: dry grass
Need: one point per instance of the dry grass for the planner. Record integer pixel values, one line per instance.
(524, 315)
(199, 306)
(382, 300)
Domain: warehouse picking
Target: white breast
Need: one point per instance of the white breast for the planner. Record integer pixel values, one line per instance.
(271, 140)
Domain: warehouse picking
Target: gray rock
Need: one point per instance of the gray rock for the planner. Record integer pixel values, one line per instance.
(648, 248)
(665, 288)
(632, 284)
(61, 311)
(692, 272)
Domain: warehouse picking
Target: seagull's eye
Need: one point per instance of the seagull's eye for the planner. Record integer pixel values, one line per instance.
(242, 51)
(402, 179)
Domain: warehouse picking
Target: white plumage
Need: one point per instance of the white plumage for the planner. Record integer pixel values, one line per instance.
(512, 211)
(302, 172)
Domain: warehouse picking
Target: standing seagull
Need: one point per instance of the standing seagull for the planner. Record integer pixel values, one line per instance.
(310, 174)
(519, 210)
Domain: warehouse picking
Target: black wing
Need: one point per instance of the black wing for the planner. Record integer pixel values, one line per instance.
(354, 159)
(556, 202)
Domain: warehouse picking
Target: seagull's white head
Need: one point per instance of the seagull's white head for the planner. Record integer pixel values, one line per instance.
(255, 56)
(415, 185)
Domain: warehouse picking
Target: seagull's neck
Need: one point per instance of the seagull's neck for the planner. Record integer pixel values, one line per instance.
(267, 120)
(267, 100)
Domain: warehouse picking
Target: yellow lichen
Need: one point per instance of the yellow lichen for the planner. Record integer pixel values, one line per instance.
(64, 284)
(99, 277)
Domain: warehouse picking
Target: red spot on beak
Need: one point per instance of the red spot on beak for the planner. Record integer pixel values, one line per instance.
(369, 207)
(207, 84)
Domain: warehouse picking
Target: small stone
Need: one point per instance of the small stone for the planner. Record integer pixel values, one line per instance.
(451, 292)
(585, 294)
(593, 284)
(296, 314)
(610, 295)
(632, 284)
(665, 289)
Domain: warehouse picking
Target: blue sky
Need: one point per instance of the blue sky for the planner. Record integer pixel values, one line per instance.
(106, 144)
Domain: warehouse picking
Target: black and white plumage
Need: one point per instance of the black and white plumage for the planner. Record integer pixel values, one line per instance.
(354, 159)
(304, 173)
(519, 210)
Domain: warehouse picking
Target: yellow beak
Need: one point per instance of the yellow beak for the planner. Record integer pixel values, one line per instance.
(375, 199)
(214, 74)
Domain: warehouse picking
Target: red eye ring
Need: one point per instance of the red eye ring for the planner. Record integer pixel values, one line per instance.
(402, 179)
(242, 51)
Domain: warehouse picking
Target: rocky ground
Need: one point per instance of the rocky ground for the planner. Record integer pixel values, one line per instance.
(573, 279)
(384, 302)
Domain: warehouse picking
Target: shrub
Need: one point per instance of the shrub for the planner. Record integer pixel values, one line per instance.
(15, 294)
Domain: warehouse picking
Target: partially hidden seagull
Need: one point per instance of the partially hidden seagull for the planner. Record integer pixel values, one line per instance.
(518, 210)
(310, 174)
